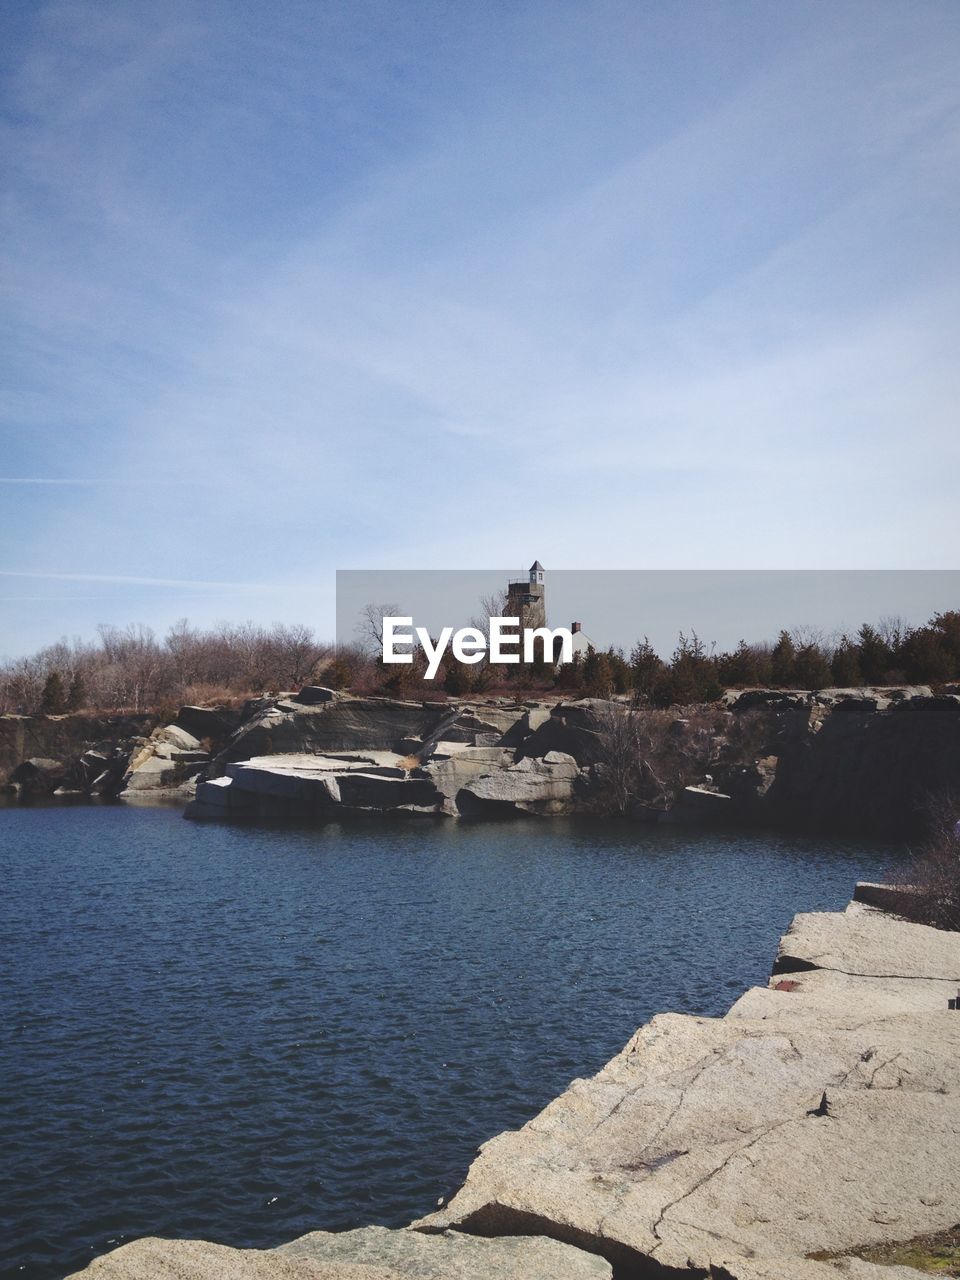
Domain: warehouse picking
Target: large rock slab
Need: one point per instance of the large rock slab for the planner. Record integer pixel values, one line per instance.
(868, 944)
(484, 720)
(167, 762)
(845, 997)
(312, 786)
(373, 1253)
(533, 786)
(453, 1256)
(342, 724)
(806, 1269)
(752, 1138)
(455, 765)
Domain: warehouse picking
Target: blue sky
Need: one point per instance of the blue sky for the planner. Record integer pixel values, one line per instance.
(296, 287)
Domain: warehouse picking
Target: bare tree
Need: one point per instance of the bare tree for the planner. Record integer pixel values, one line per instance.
(369, 628)
(648, 757)
(893, 630)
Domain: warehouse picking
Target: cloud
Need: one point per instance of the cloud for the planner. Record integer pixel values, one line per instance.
(606, 285)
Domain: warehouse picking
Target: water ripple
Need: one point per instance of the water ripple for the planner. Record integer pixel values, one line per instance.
(246, 1034)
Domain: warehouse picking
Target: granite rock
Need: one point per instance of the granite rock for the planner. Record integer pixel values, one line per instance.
(372, 1253)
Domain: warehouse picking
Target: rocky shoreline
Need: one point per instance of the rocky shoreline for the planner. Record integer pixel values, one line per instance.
(857, 761)
(818, 1117)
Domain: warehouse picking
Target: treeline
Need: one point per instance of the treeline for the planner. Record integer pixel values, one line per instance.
(131, 669)
(889, 654)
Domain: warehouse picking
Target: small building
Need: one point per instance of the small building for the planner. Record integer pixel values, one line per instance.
(527, 600)
(581, 641)
(527, 597)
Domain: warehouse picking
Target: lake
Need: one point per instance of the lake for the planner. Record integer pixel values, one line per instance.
(245, 1034)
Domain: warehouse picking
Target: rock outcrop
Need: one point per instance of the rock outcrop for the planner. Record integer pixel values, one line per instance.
(858, 761)
(858, 765)
(82, 746)
(820, 1115)
(457, 781)
(372, 1253)
(533, 785)
(168, 762)
(573, 728)
(340, 723)
(839, 760)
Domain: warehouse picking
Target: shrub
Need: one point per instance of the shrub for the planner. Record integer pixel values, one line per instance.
(933, 878)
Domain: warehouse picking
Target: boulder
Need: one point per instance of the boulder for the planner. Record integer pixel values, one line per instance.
(748, 699)
(312, 695)
(371, 1253)
(154, 773)
(38, 776)
(535, 786)
(701, 804)
(212, 723)
(175, 737)
(451, 1256)
(533, 718)
(167, 762)
(450, 770)
(368, 790)
(490, 717)
(573, 728)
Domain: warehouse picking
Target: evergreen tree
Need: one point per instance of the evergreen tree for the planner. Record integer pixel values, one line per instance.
(54, 701)
(693, 674)
(784, 662)
(875, 656)
(647, 668)
(947, 627)
(77, 696)
(925, 658)
(597, 674)
(812, 668)
(570, 675)
(338, 675)
(620, 671)
(845, 666)
(740, 668)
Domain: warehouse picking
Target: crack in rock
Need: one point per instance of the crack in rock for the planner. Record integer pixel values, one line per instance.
(702, 1182)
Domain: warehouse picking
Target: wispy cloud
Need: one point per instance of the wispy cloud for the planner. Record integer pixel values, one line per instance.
(643, 286)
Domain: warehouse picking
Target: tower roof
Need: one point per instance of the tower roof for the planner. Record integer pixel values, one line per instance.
(537, 567)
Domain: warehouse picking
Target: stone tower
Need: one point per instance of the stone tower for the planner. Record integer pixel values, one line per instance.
(527, 598)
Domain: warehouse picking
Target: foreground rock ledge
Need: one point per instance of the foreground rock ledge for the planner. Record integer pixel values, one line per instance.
(373, 1253)
(820, 1115)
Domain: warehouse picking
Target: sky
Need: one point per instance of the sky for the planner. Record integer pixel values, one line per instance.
(300, 287)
